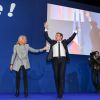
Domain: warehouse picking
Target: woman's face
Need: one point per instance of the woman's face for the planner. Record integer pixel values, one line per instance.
(22, 40)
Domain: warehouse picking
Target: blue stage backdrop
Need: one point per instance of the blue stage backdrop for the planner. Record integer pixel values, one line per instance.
(28, 18)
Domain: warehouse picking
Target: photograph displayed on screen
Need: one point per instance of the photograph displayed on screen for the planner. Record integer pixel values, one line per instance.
(65, 19)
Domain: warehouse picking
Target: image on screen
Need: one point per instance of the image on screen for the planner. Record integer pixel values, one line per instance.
(65, 19)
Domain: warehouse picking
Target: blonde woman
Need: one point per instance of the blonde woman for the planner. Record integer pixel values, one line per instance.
(20, 61)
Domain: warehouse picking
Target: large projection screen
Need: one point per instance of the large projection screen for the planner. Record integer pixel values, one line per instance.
(65, 19)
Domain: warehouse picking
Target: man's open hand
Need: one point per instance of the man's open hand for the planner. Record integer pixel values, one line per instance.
(46, 25)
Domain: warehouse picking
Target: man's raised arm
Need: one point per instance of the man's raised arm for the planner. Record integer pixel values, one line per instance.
(46, 33)
(73, 36)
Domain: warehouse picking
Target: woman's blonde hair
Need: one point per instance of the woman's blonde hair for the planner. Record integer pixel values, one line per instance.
(21, 36)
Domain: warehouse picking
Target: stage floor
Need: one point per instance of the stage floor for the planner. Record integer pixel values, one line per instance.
(51, 97)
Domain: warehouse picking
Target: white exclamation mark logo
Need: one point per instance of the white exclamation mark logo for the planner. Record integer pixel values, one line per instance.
(12, 7)
(1, 9)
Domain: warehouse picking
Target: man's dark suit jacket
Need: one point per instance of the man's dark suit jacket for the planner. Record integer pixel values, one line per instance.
(53, 42)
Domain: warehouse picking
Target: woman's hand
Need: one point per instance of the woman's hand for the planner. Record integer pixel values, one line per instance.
(45, 48)
(11, 67)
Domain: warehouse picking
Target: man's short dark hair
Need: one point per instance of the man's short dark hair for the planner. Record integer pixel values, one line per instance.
(60, 34)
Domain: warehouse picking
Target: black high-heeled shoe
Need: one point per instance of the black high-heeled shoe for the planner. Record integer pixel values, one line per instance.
(26, 94)
(17, 93)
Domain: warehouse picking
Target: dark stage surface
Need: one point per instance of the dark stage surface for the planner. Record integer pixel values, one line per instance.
(51, 97)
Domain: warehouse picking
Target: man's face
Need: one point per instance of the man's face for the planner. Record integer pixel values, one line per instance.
(58, 37)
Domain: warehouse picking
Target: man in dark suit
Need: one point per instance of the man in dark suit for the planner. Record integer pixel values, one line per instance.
(58, 54)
